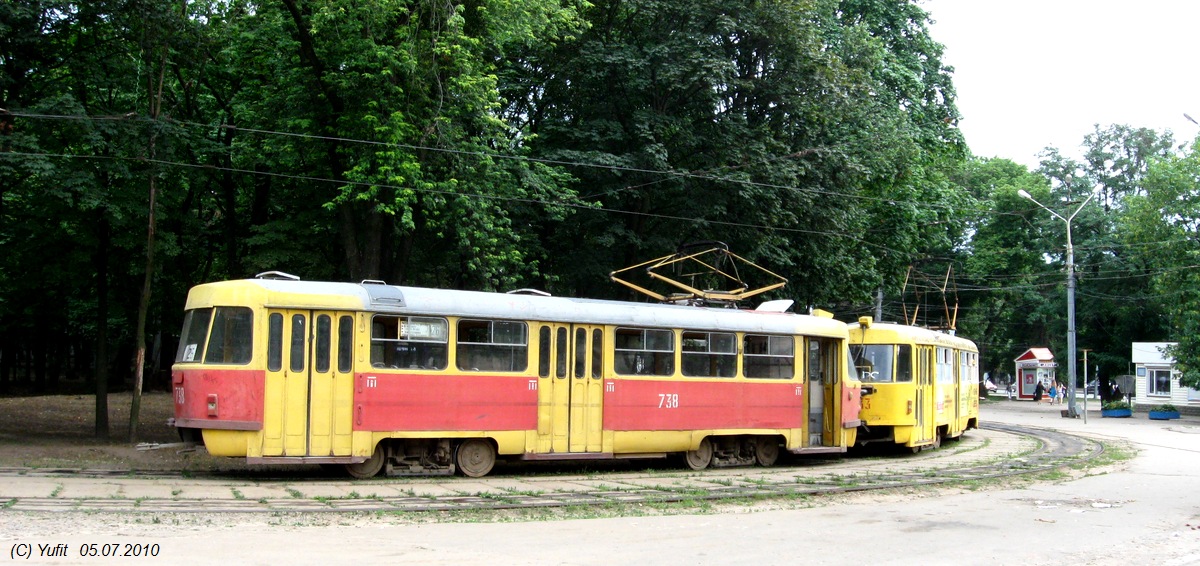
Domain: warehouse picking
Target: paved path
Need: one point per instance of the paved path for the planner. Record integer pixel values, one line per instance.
(1147, 513)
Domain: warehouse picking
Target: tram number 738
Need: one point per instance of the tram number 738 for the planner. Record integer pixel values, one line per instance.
(668, 400)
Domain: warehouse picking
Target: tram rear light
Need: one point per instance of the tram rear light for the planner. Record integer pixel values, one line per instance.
(909, 408)
(212, 404)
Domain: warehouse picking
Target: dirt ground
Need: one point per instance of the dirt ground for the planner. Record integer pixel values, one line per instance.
(1144, 511)
(59, 431)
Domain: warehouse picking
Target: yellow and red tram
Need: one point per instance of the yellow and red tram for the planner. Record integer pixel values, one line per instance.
(413, 380)
(925, 384)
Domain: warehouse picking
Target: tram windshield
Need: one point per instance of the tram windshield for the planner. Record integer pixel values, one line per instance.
(230, 340)
(873, 362)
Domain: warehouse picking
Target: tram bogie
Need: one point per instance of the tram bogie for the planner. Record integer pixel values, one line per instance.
(402, 380)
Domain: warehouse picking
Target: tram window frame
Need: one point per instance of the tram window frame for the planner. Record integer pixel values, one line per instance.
(708, 354)
(581, 351)
(345, 343)
(868, 366)
(643, 351)
(776, 361)
(194, 336)
(397, 343)
(324, 343)
(560, 352)
(298, 351)
(597, 352)
(231, 337)
(904, 363)
(964, 368)
(484, 345)
(275, 341)
(945, 366)
(544, 351)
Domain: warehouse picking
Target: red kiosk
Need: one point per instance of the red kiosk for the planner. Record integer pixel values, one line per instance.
(1036, 364)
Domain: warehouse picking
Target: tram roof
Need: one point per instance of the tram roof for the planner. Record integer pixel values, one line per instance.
(371, 297)
(895, 333)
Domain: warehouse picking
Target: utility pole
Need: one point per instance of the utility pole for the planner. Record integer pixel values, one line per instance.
(879, 304)
(1085, 383)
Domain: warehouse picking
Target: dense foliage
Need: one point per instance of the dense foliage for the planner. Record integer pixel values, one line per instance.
(494, 144)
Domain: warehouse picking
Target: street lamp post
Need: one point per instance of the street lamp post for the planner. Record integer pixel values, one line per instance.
(1070, 297)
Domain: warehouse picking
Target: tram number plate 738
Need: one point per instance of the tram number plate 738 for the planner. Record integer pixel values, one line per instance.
(668, 400)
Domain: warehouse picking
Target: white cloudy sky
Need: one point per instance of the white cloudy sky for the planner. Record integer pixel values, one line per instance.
(1037, 73)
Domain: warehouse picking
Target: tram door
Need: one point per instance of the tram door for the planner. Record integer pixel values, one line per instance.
(961, 403)
(822, 385)
(308, 383)
(923, 393)
(570, 408)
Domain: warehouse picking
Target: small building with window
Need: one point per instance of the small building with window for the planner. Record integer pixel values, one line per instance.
(1157, 380)
(1034, 366)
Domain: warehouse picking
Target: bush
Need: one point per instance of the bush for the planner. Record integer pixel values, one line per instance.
(1165, 408)
(1111, 405)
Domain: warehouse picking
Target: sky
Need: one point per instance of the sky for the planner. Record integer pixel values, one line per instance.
(1036, 73)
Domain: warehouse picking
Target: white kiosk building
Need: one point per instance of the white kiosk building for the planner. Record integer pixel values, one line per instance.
(1157, 380)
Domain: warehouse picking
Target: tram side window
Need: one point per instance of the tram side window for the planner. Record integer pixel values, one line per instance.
(873, 362)
(904, 364)
(413, 342)
(643, 351)
(229, 341)
(770, 357)
(709, 354)
(945, 365)
(492, 345)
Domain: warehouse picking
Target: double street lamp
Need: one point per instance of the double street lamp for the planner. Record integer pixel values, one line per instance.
(1070, 297)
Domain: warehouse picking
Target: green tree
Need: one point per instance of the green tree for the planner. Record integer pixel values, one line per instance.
(1162, 226)
(1004, 275)
(757, 125)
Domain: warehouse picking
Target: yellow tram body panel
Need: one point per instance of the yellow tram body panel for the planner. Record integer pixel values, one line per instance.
(925, 383)
(329, 372)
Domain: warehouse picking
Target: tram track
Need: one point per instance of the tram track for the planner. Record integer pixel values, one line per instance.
(998, 451)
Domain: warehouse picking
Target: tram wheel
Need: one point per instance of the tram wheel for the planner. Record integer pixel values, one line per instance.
(701, 457)
(766, 451)
(369, 468)
(475, 457)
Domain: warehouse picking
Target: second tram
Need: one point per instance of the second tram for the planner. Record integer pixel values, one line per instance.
(925, 384)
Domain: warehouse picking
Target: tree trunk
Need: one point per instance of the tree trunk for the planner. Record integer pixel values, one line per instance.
(102, 325)
(139, 369)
